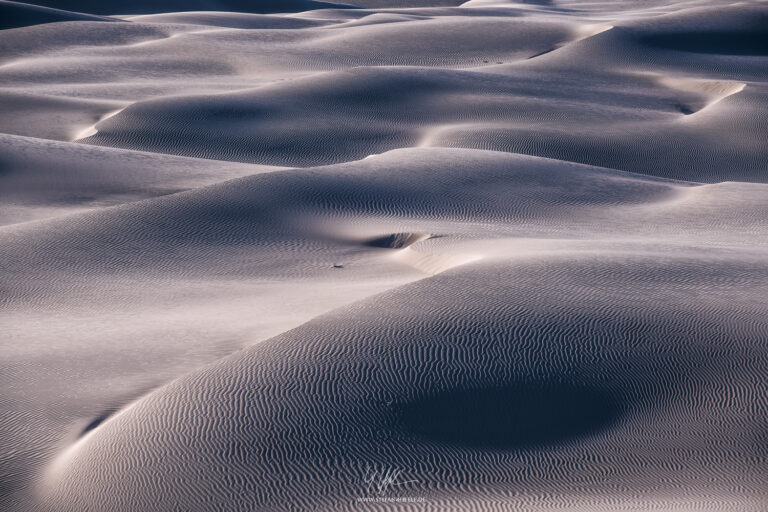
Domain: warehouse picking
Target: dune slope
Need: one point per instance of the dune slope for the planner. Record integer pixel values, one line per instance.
(402, 255)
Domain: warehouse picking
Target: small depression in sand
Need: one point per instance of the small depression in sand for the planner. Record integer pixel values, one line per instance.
(95, 422)
(396, 240)
(518, 416)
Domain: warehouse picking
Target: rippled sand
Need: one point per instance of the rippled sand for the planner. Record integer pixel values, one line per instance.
(408, 255)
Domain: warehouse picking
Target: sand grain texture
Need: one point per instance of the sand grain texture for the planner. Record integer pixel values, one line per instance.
(252, 252)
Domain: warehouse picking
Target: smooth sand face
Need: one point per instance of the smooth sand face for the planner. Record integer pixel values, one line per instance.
(512, 253)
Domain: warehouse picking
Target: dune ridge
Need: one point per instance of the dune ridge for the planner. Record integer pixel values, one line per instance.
(18, 14)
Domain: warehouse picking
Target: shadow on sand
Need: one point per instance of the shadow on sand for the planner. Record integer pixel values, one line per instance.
(520, 416)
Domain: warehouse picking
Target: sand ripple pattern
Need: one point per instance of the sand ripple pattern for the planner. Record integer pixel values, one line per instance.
(404, 255)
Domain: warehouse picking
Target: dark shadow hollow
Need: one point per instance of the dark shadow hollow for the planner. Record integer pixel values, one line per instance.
(519, 416)
(97, 421)
(743, 43)
(395, 240)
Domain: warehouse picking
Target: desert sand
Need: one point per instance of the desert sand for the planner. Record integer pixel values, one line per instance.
(398, 255)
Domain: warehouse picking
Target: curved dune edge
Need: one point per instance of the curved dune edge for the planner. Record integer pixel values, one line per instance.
(434, 264)
(715, 91)
(431, 264)
(20, 14)
(93, 129)
(254, 406)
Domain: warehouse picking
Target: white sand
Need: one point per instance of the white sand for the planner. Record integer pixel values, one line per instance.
(517, 252)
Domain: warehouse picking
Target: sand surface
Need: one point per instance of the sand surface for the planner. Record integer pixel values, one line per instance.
(403, 255)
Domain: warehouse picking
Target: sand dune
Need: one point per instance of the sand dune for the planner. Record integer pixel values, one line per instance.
(401, 255)
(145, 6)
(16, 14)
(44, 178)
(374, 384)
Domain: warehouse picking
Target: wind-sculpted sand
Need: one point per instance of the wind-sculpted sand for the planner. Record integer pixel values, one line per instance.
(401, 255)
